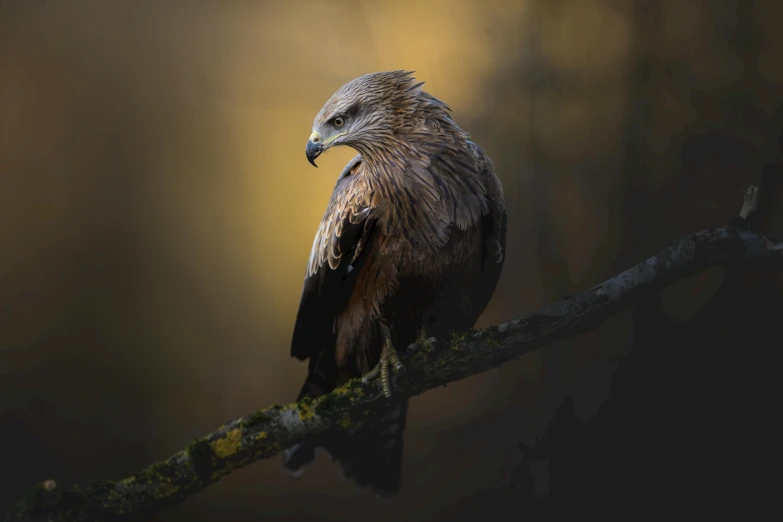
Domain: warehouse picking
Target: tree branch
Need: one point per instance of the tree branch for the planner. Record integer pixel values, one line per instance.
(267, 432)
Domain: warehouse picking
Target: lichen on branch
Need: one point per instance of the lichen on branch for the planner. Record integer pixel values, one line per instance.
(267, 432)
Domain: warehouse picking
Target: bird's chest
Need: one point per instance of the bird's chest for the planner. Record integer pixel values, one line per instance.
(430, 256)
(420, 233)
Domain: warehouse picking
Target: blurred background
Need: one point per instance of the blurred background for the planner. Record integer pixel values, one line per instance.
(157, 211)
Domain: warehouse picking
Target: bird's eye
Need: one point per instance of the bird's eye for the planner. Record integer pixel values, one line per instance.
(339, 121)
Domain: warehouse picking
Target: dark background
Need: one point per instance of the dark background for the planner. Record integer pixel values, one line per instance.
(157, 210)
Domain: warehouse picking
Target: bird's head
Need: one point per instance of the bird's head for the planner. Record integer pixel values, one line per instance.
(365, 113)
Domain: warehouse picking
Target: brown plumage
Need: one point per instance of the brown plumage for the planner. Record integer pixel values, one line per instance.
(411, 241)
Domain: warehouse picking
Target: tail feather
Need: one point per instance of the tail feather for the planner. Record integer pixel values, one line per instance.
(373, 456)
(321, 379)
(370, 457)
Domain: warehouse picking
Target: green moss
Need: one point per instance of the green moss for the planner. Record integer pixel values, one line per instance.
(100, 487)
(154, 473)
(354, 384)
(339, 398)
(490, 335)
(351, 391)
(165, 490)
(270, 448)
(217, 475)
(255, 419)
(346, 422)
(202, 456)
(39, 499)
(198, 449)
(457, 338)
(440, 362)
(306, 409)
(159, 474)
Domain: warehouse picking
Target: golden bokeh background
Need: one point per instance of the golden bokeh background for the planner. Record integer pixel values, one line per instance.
(157, 211)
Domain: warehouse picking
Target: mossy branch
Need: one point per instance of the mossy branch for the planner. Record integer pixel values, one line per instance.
(267, 432)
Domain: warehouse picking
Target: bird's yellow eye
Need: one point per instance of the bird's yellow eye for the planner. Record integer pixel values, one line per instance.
(338, 121)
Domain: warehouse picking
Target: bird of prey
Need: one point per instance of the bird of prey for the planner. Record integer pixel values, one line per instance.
(410, 248)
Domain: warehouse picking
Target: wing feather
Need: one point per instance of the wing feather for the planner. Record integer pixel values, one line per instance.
(331, 273)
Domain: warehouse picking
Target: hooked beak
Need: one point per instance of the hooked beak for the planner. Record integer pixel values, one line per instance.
(314, 148)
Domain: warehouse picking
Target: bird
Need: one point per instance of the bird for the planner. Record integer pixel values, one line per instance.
(410, 249)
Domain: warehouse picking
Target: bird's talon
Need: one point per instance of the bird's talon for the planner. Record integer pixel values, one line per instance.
(394, 360)
(429, 344)
(372, 374)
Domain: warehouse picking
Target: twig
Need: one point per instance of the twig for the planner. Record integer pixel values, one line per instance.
(267, 432)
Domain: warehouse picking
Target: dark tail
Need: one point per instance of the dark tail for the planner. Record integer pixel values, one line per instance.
(371, 457)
